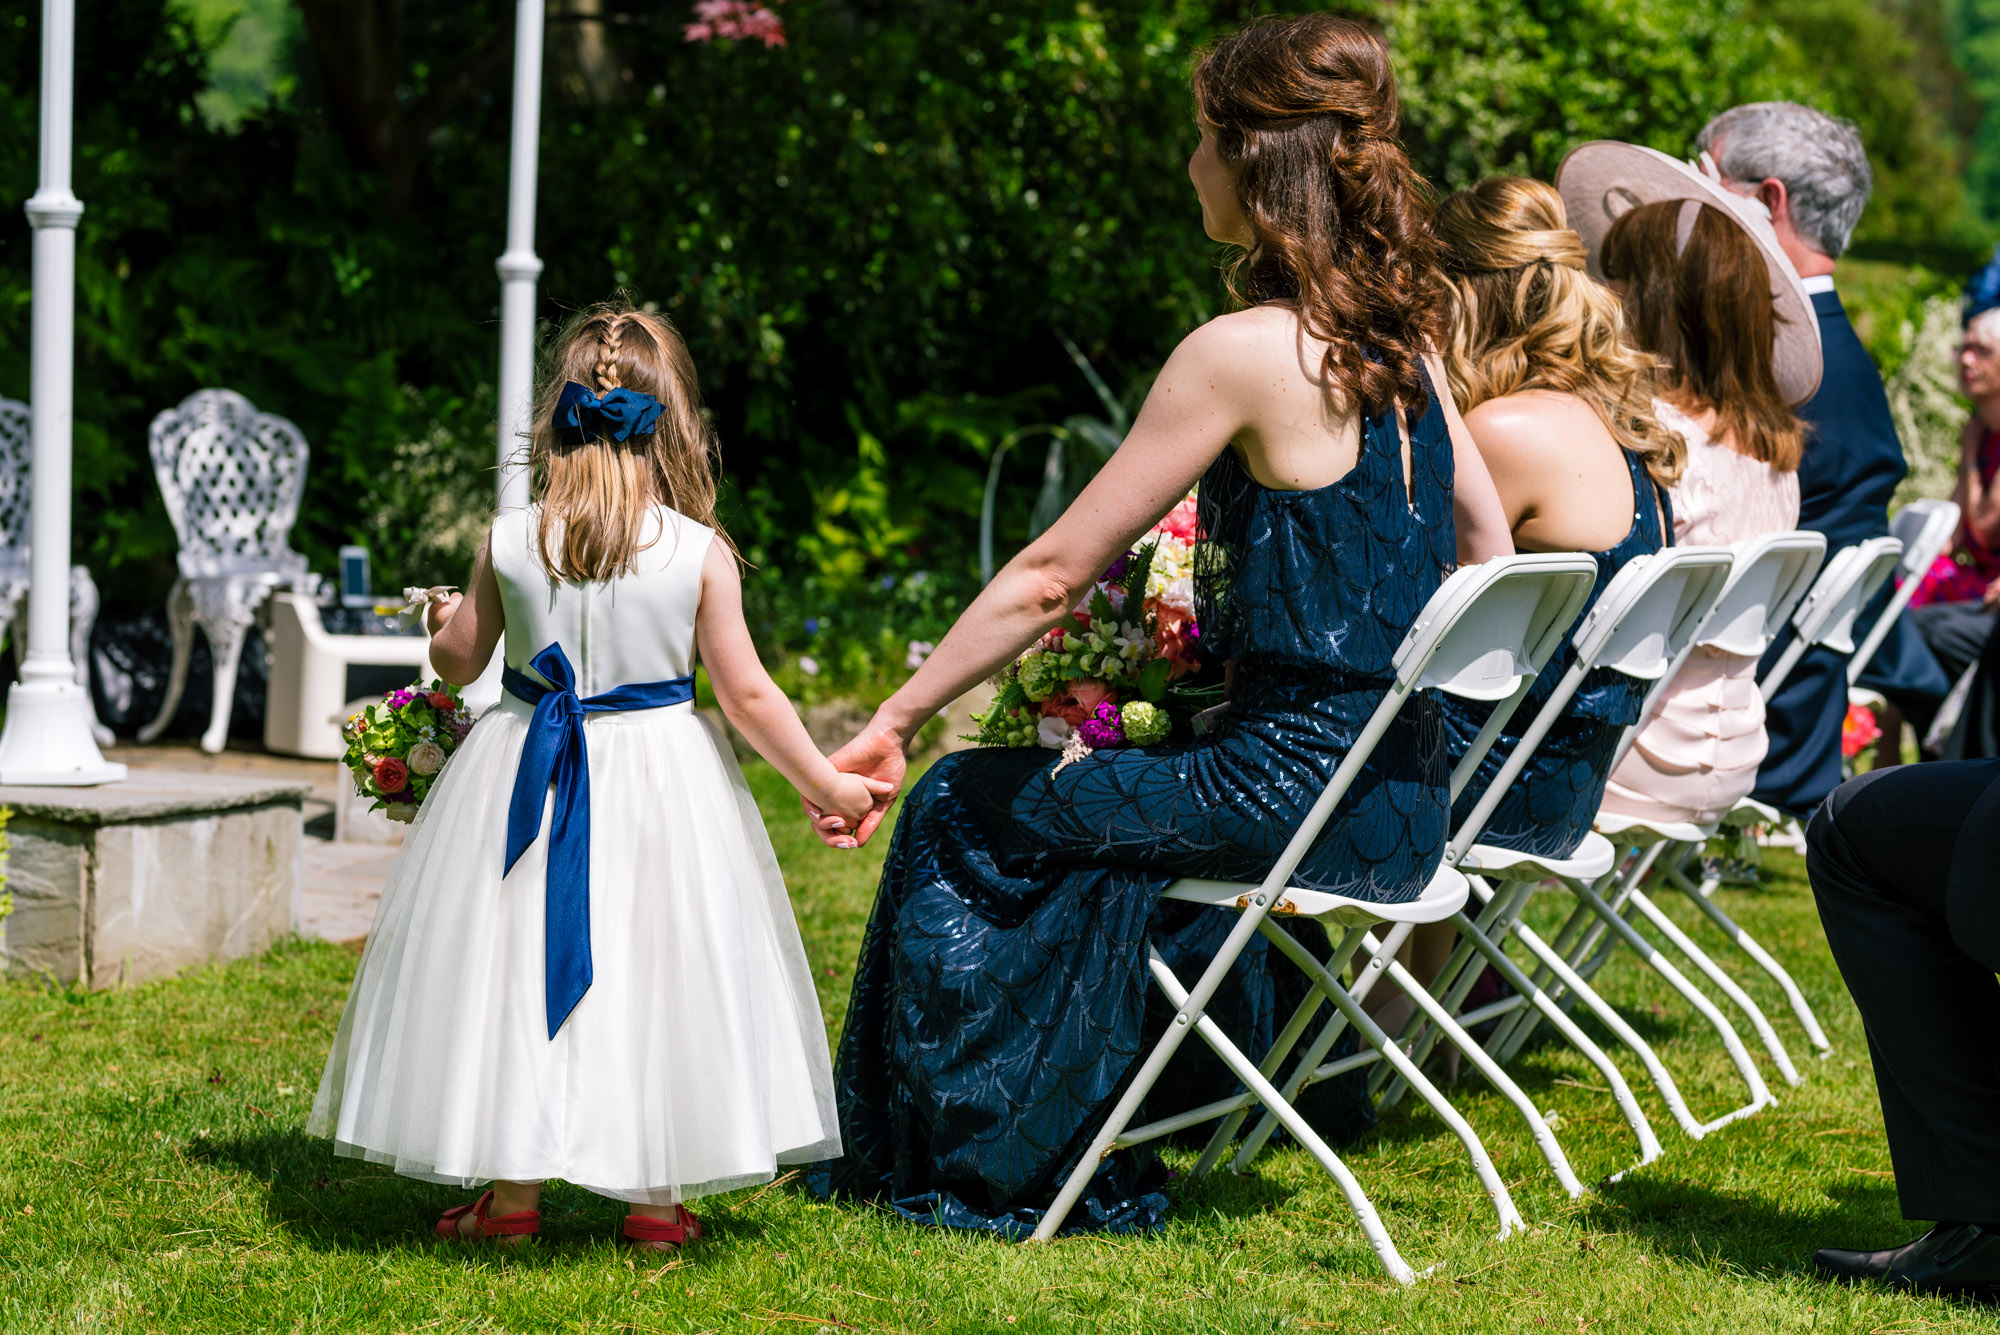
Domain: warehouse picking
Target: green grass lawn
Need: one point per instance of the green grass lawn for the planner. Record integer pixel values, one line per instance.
(154, 1175)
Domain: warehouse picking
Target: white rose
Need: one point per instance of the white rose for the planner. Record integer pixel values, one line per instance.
(426, 758)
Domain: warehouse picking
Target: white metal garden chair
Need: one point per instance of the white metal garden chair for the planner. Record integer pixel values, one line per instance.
(232, 478)
(1642, 625)
(1476, 637)
(17, 468)
(1777, 571)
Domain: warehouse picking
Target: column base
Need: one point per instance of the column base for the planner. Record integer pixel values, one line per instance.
(47, 740)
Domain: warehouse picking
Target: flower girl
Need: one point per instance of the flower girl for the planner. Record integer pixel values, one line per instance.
(584, 965)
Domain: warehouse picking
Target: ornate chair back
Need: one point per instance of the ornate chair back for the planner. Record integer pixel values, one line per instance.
(17, 475)
(232, 478)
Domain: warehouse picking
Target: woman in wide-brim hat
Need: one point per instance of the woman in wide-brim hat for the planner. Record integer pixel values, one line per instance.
(1602, 181)
(1708, 292)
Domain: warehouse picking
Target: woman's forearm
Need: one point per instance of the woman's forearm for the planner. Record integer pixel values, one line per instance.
(1010, 614)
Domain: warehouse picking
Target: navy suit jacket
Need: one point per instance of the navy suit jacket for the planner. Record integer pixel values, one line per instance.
(1853, 461)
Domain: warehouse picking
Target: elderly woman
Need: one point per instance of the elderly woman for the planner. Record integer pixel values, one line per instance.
(999, 1000)
(1954, 608)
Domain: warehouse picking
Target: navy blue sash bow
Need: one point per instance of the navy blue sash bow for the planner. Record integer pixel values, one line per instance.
(555, 753)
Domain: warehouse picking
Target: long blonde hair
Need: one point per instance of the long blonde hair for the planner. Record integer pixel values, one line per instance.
(1526, 316)
(596, 495)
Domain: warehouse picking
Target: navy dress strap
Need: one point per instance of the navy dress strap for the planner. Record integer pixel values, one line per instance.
(554, 753)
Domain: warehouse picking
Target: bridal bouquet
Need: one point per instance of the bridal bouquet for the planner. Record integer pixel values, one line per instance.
(397, 749)
(1122, 669)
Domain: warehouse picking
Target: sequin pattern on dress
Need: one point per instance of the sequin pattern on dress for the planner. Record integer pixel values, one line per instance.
(1548, 809)
(1001, 997)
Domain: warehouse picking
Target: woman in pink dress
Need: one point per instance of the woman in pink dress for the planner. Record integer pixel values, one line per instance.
(1699, 747)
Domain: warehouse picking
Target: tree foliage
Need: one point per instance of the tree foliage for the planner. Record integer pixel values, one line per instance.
(875, 237)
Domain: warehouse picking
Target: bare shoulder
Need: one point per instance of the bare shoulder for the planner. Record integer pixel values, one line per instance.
(1532, 425)
(1242, 339)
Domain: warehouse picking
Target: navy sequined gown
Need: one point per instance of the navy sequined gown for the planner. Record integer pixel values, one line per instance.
(1552, 803)
(1000, 1001)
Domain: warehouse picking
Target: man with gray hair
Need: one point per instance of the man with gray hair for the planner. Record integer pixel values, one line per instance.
(1810, 171)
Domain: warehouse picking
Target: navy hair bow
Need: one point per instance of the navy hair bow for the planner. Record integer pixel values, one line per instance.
(1982, 291)
(617, 414)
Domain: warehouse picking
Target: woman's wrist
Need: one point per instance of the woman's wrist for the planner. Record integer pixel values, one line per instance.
(894, 720)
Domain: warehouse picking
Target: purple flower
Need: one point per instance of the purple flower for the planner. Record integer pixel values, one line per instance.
(1103, 729)
(1190, 633)
(397, 699)
(812, 625)
(1119, 567)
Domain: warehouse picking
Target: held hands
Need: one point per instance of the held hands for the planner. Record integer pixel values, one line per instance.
(850, 801)
(876, 759)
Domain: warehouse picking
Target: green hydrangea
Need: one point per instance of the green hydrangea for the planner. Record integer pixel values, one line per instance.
(1144, 724)
(1041, 675)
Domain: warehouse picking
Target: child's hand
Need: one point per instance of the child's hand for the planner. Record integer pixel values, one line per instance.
(440, 611)
(846, 800)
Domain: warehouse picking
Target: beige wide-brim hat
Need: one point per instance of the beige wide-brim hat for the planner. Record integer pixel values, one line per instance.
(1600, 181)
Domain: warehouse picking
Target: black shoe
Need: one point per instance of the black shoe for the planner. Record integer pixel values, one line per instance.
(1951, 1258)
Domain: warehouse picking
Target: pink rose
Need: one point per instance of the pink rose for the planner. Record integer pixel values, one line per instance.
(1089, 694)
(1077, 703)
(391, 775)
(1181, 521)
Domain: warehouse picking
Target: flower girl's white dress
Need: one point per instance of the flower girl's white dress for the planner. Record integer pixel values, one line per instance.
(697, 1060)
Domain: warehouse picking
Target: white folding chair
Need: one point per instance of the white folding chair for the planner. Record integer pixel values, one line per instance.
(1826, 616)
(1641, 625)
(1382, 954)
(1477, 632)
(1925, 528)
(1771, 581)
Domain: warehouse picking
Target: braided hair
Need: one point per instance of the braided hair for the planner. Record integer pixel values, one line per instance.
(596, 497)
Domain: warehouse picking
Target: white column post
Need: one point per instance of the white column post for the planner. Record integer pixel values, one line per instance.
(519, 267)
(47, 738)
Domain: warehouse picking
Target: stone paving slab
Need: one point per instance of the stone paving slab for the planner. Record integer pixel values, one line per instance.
(343, 883)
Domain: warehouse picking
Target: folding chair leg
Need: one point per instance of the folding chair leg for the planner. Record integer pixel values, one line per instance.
(1581, 935)
(1371, 1033)
(1357, 1200)
(1188, 1007)
(1621, 1092)
(1680, 941)
(1581, 991)
(1281, 1047)
(1442, 1022)
(1364, 985)
(1760, 1095)
(1456, 980)
(1749, 946)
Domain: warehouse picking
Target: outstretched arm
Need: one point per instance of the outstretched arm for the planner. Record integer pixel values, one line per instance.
(758, 709)
(1195, 407)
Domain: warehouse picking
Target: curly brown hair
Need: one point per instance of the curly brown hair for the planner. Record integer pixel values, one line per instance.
(1305, 114)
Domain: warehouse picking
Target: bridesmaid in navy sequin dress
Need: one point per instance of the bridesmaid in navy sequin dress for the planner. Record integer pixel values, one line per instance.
(1001, 997)
(1558, 399)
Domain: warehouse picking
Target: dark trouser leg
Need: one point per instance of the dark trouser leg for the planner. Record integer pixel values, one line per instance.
(1956, 634)
(1879, 853)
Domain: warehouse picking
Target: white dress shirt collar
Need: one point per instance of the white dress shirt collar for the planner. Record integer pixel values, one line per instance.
(1818, 283)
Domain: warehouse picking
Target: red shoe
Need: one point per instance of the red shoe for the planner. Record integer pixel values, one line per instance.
(520, 1224)
(657, 1235)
